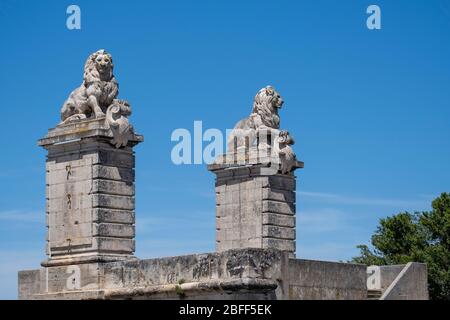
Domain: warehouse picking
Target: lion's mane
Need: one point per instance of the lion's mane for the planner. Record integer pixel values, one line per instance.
(265, 105)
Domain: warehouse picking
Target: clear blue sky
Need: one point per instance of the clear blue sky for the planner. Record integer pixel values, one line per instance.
(370, 110)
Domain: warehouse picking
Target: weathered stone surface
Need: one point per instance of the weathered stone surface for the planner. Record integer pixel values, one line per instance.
(254, 210)
(75, 277)
(278, 220)
(70, 234)
(280, 244)
(113, 245)
(278, 207)
(61, 190)
(114, 216)
(113, 173)
(118, 188)
(410, 283)
(70, 202)
(31, 282)
(113, 202)
(86, 174)
(278, 232)
(278, 195)
(64, 176)
(90, 193)
(319, 280)
(235, 274)
(281, 182)
(60, 218)
(116, 230)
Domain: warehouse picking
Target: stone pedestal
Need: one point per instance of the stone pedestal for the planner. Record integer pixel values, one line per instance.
(255, 203)
(89, 194)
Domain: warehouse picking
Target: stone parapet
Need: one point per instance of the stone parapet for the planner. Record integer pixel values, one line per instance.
(258, 274)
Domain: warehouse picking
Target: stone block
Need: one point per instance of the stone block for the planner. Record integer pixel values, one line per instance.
(119, 188)
(117, 158)
(63, 163)
(278, 220)
(280, 244)
(278, 195)
(71, 202)
(113, 216)
(113, 230)
(281, 182)
(113, 202)
(278, 232)
(116, 245)
(69, 235)
(61, 190)
(55, 218)
(113, 173)
(278, 207)
(82, 173)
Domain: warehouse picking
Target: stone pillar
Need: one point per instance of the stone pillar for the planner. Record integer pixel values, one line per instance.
(89, 194)
(255, 206)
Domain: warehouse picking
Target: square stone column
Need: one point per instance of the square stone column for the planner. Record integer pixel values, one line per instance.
(255, 203)
(89, 194)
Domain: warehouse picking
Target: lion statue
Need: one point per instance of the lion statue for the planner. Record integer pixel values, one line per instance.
(264, 117)
(96, 93)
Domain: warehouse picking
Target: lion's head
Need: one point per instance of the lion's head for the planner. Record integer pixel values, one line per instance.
(266, 104)
(98, 67)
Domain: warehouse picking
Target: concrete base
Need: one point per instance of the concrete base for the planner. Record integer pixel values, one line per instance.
(234, 274)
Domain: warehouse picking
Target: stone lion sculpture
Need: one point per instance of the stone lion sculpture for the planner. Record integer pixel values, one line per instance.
(96, 97)
(264, 117)
(96, 93)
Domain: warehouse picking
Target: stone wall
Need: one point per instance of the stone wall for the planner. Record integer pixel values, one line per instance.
(411, 282)
(388, 275)
(233, 274)
(320, 280)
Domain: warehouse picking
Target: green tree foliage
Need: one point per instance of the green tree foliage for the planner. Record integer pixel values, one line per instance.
(421, 237)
